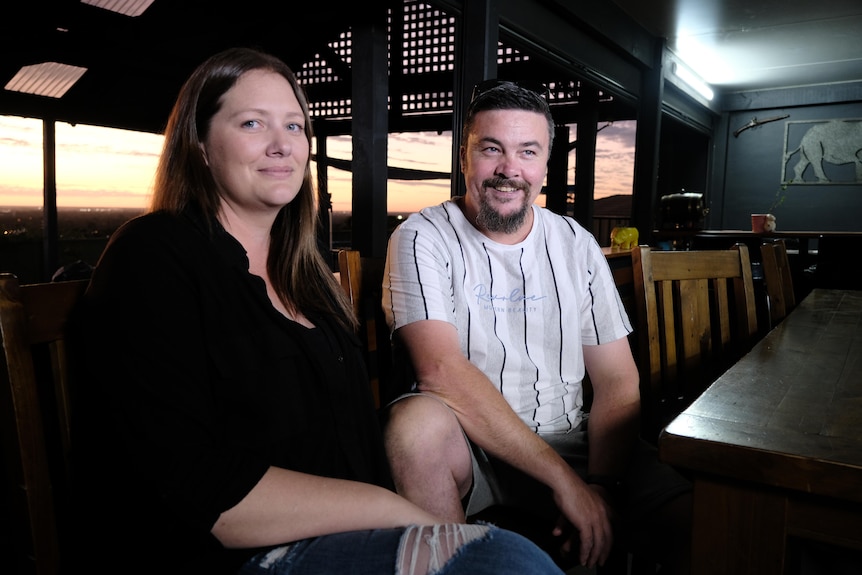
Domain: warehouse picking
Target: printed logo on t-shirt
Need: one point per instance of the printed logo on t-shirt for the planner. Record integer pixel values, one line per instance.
(515, 301)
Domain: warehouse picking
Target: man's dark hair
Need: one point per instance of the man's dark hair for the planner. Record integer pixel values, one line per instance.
(507, 95)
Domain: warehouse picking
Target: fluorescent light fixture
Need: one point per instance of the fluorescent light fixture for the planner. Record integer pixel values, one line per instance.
(53, 79)
(703, 60)
(50, 79)
(126, 7)
(692, 80)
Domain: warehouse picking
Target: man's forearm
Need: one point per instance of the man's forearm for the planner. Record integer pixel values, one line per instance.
(613, 431)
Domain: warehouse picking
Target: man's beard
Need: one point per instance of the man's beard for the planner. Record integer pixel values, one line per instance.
(492, 220)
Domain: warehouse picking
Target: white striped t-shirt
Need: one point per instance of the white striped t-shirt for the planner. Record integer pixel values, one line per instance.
(523, 312)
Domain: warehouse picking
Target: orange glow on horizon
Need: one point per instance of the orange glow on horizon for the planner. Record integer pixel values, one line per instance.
(109, 168)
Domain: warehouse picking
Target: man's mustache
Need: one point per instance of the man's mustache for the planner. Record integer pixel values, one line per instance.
(505, 183)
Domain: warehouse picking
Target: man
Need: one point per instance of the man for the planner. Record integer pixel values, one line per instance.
(503, 308)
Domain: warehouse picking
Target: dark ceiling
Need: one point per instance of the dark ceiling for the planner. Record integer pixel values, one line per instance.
(738, 45)
(137, 65)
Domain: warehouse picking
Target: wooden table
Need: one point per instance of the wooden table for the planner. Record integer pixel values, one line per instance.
(799, 241)
(775, 444)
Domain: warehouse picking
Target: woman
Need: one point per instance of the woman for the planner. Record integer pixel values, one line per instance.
(224, 422)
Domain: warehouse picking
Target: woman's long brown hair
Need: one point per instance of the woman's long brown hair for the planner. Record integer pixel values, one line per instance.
(296, 267)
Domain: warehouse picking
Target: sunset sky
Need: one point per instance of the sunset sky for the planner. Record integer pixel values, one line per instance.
(108, 168)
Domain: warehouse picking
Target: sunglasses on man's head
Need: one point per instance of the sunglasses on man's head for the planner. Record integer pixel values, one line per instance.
(486, 85)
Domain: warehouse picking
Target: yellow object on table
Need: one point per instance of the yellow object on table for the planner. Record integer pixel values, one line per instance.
(624, 238)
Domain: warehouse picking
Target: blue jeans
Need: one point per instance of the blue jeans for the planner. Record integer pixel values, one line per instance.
(433, 550)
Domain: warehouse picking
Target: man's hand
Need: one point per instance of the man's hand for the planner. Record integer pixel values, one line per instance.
(590, 513)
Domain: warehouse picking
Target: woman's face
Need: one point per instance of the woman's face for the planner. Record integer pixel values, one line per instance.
(257, 149)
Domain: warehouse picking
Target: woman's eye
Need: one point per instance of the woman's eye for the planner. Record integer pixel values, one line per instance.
(295, 127)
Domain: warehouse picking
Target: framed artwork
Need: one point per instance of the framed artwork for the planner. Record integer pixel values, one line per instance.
(822, 152)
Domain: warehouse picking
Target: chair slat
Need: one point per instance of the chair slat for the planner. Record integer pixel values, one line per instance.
(352, 281)
(778, 280)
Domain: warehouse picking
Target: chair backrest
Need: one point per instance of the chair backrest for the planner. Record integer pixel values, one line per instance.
(778, 279)
(696, 314)
(360, 279)
(35, 406)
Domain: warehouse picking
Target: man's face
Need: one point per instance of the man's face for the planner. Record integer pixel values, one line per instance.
(504, 162)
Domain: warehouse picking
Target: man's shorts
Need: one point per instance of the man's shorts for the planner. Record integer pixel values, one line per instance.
(649, 483)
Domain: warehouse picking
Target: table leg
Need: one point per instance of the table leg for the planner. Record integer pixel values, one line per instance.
(738, 530)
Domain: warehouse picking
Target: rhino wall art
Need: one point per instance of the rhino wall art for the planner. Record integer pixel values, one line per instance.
(822, 152)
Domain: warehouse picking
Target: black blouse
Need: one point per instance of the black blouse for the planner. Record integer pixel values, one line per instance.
(194, 385)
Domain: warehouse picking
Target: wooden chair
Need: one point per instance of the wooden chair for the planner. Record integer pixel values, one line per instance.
(35, 409)
(35, 402)
(355, 285)
(779, 282)
(696, 314)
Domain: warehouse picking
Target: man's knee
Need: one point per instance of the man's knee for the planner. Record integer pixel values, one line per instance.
(423, 423)
(422, 433)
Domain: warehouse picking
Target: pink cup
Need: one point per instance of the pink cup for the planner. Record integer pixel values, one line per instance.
(757, 221)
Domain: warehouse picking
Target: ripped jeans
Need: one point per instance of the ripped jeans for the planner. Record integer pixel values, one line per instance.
(450, 549)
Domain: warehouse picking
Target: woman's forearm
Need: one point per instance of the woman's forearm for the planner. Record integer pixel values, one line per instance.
(288, 506)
